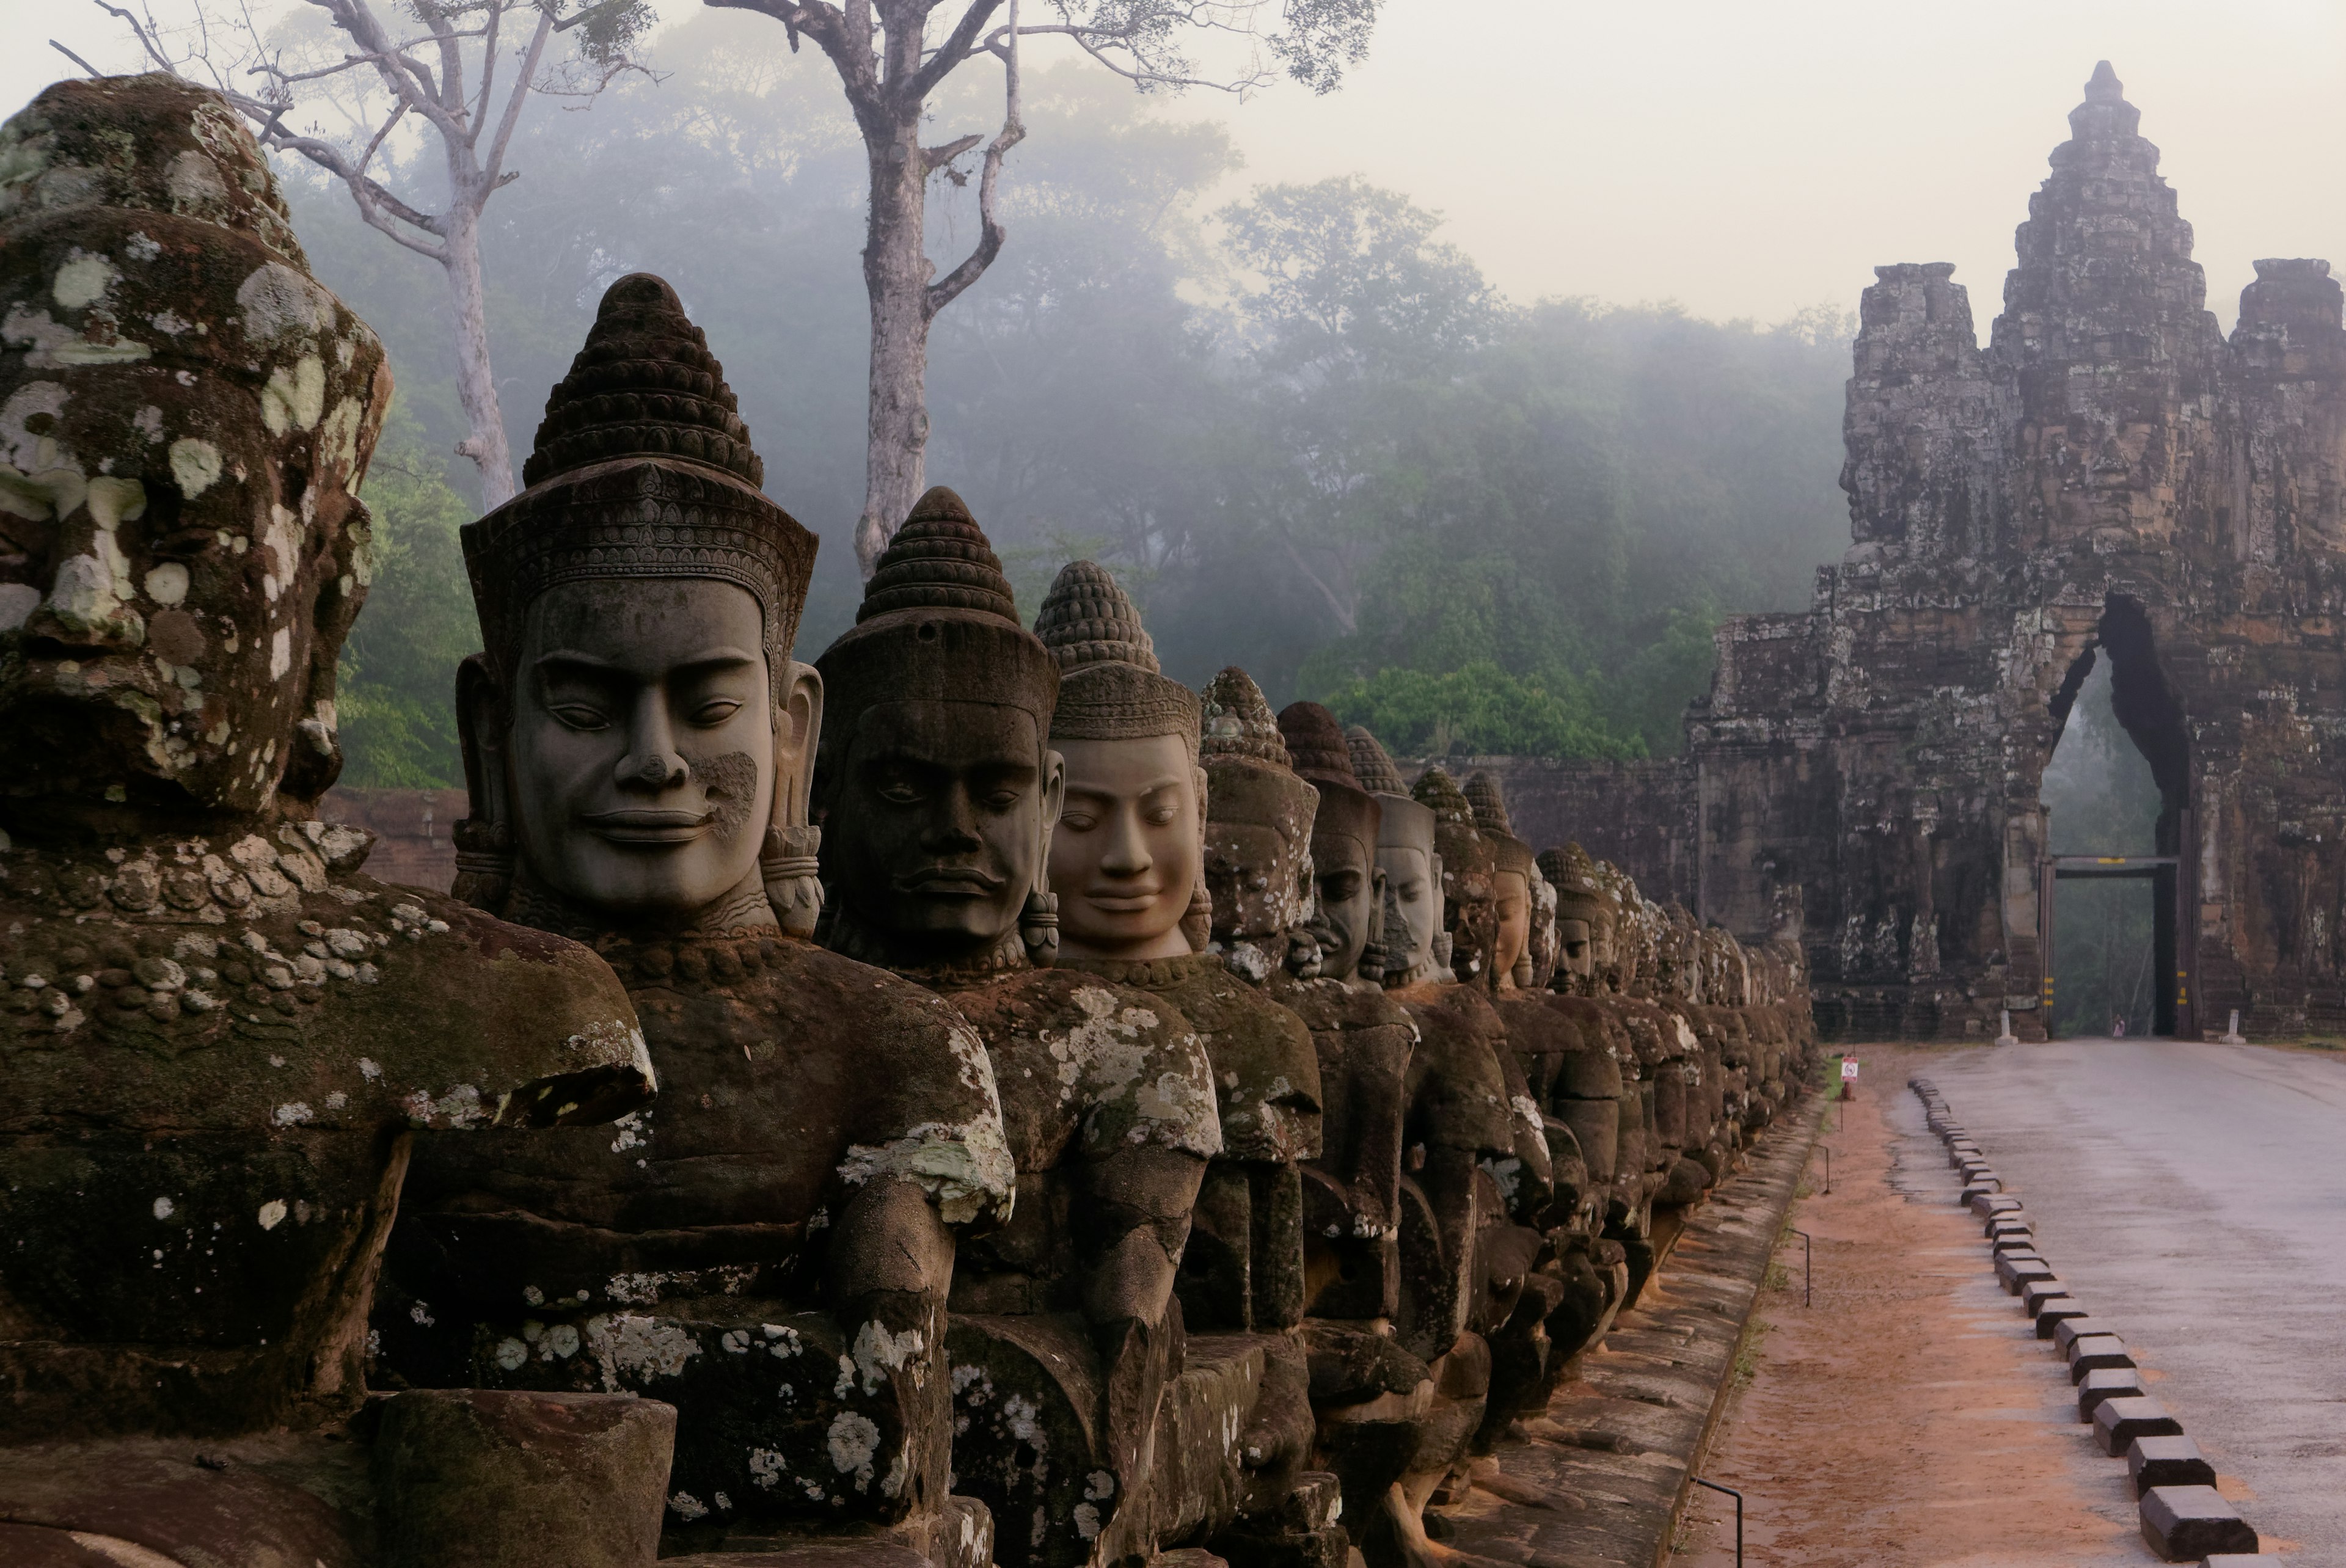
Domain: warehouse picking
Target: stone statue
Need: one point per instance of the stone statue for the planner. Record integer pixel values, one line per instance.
(1565, 1296)
(1374, 1400)
(1512, 875)
(1364, 1040)
(939, 787)
(769, 1249)
(1409, 864)
(1133, 839)
(1460, 1136)
(1581, 912)
(221, 1039)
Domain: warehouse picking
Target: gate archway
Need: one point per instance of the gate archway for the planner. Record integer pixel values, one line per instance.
(2151, 716)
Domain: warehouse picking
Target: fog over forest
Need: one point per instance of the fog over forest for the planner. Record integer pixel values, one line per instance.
(1302, 427)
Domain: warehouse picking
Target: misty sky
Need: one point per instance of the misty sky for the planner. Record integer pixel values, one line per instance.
(1745, 161)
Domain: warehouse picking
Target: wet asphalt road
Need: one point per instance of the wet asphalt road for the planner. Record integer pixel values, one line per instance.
(2194, 1198)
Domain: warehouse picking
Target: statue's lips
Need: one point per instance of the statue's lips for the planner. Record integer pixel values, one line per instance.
(950, 882)
(1124, 901)
(648, 827)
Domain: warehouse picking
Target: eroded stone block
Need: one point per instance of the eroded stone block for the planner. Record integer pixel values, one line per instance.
(2169, 1460)
(2185, 1523)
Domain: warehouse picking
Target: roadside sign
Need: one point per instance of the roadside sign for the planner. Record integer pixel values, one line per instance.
(1848, 1067)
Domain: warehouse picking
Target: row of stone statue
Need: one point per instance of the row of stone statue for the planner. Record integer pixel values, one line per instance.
(972, 1097)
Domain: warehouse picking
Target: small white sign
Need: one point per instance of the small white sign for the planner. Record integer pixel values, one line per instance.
(1848, 1068)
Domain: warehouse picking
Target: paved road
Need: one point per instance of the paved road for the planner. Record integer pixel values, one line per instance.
(2195, 1196)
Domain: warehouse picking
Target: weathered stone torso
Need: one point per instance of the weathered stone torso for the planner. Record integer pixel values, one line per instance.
(215, 1051)
(1085, 1067)
(789, 1075)
(1351, 1197)
(680, 1253)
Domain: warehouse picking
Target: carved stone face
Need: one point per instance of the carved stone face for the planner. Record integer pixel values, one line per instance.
(1577, 953)
(643, 743)
(1255, 877)
(1126, 854)
(937, 822)
(1412, 887)
(180, 554)
(1350, 889)
(1512, 901)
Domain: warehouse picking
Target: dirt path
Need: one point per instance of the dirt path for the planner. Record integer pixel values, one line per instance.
(1910, 1416)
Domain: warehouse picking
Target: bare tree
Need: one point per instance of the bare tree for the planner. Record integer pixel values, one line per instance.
(377, 78)
(892, 54)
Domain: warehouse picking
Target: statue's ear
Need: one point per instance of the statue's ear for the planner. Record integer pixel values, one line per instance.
(789, 863)
(485, 840)
(1055, 796)
(481, 720)
(798, 734)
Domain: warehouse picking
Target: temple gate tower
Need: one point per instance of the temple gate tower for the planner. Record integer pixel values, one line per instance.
(2109, 478)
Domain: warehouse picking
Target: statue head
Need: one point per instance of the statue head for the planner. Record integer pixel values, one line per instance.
(635, 736)
(1411, 862)
(1257, 823)
(1582, 910)
(1350, 888)
(185, 416)
(1127, 857)
(1514, 873)
(936, 783)
(1469, 880)
(1615, 933)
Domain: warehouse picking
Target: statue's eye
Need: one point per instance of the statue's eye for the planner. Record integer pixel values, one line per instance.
(1163, 816)
(897, 792)
(1003, 798)
(716, 711)
(1078, 822)
(579, 716)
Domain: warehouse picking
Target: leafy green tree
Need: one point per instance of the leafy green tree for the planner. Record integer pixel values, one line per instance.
(398, 675)
(1479, 710)
(1304, 430)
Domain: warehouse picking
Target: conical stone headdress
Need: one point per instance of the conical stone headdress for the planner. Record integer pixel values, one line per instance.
(1467, 860)
(938, 624)
(1111, 686)
(1317, 746)
(1490, 808)
(1370, 766)
(642, 469)
(1579, 895)
(1248, 776)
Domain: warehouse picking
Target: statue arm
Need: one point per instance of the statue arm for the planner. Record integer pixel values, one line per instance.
(1131, 1220)
(891, 1259)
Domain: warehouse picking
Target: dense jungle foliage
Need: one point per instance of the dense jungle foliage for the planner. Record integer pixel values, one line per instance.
(1303, 429)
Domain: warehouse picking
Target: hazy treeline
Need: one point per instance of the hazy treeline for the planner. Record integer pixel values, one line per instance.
(2104, 802)
(1302, 428)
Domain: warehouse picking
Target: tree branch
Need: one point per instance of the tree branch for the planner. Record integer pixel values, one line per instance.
(76, 59)
(146, 42)
(936, 157)
(479, 113)
(956, 48)
(990, 231)
(520, 89)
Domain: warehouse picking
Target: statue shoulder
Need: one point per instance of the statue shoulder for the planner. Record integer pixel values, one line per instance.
(1124, 1061)
(435, 990)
